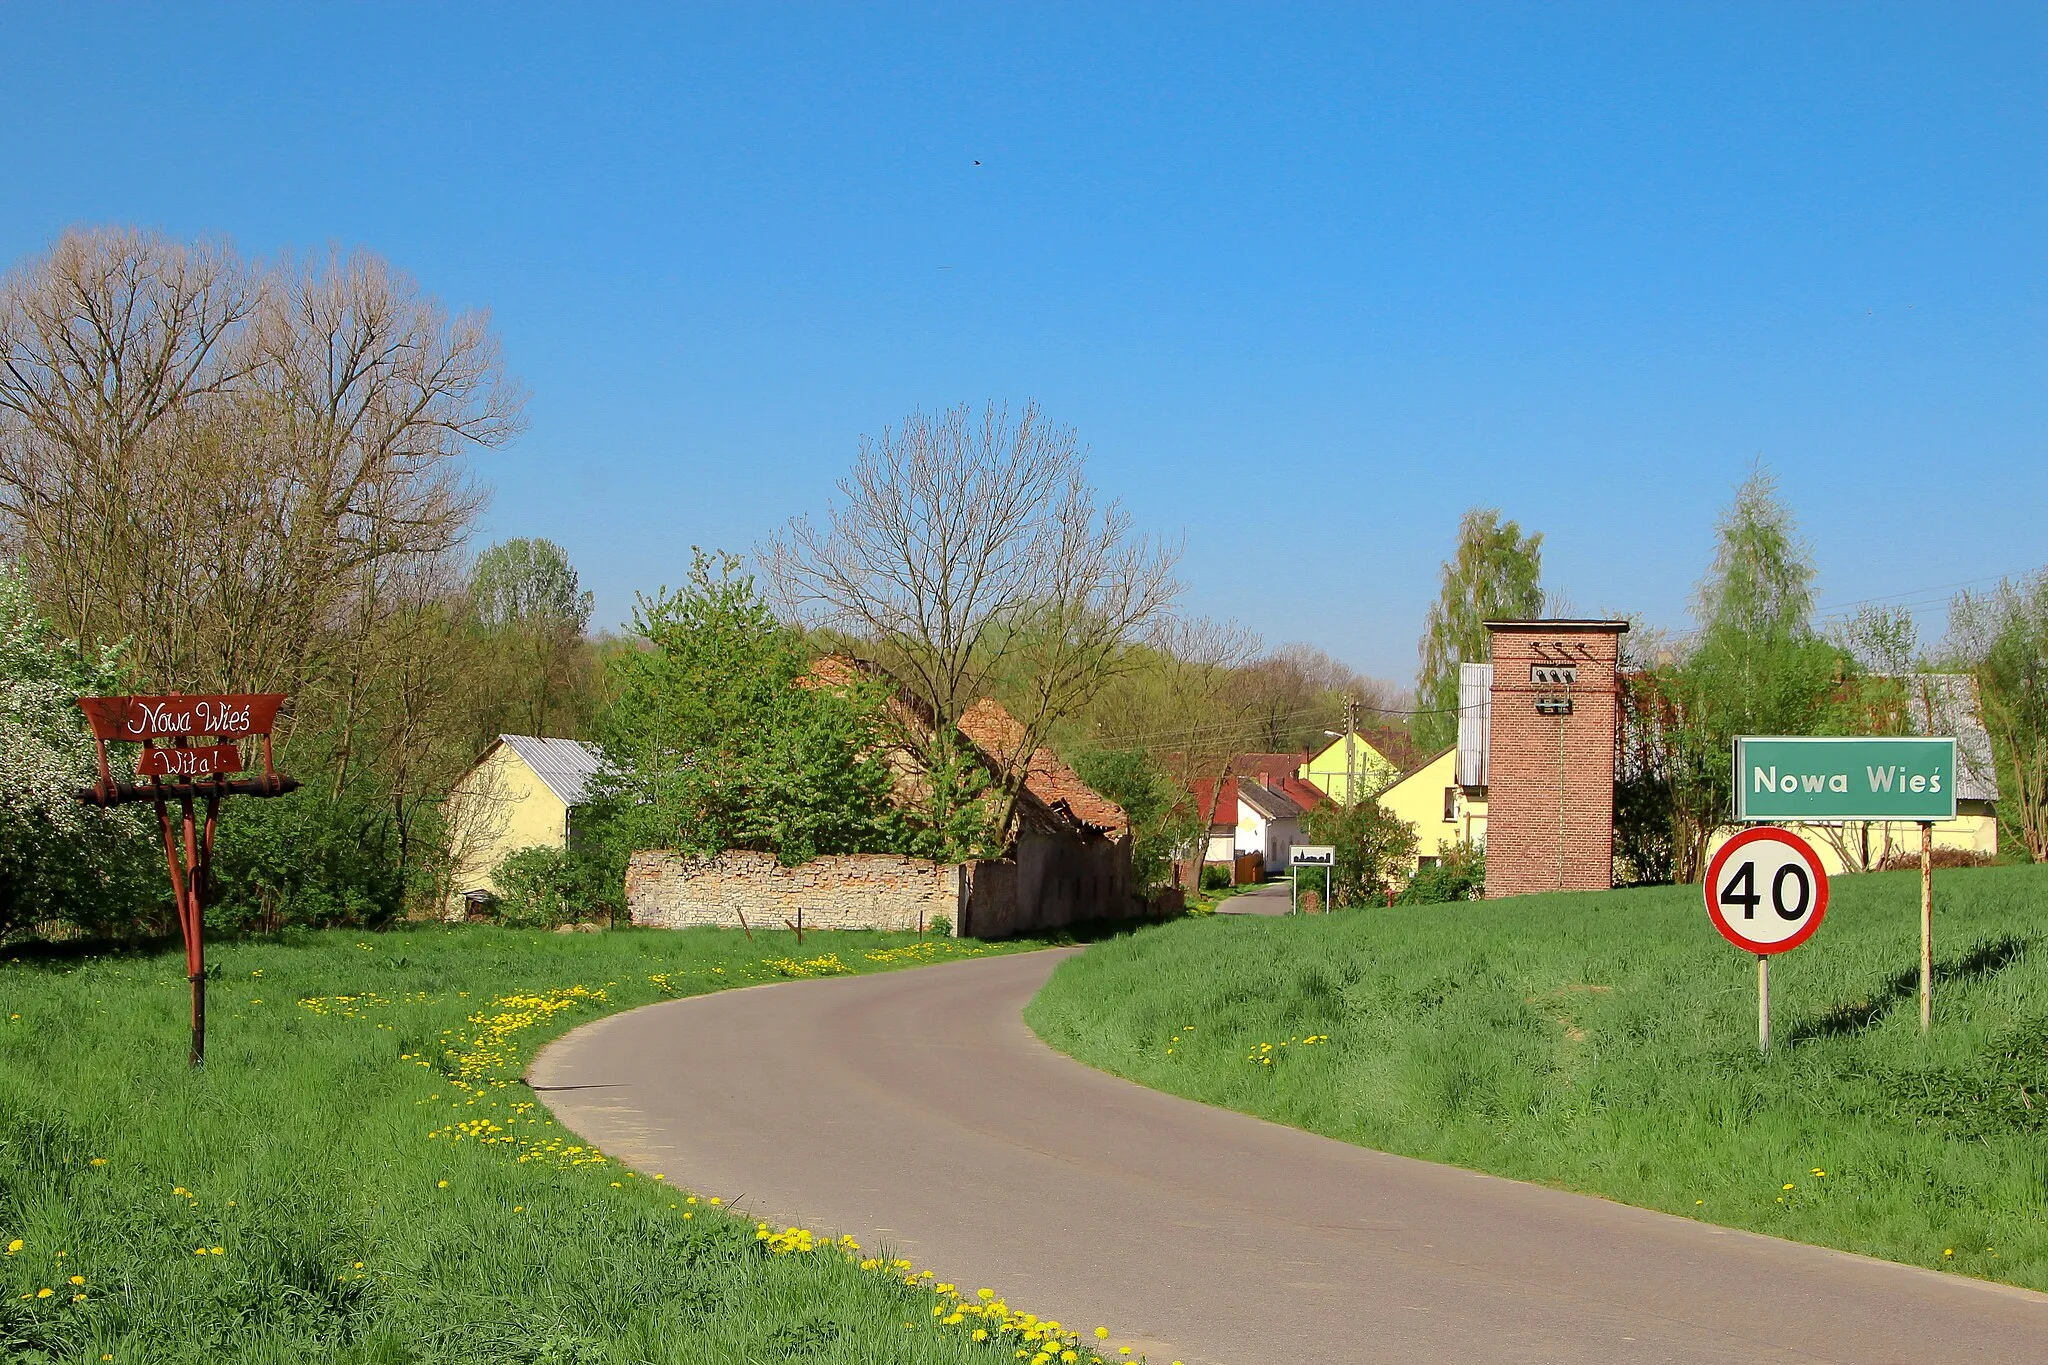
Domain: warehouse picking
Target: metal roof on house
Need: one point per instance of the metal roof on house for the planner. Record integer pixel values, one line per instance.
(565, 765)
(1946, 704)
(1475, 722)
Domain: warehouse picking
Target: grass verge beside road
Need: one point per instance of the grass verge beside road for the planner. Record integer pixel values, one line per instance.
(1607, 1043)
(357, 1175)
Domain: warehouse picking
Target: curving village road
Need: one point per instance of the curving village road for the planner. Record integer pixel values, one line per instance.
(915, 1110)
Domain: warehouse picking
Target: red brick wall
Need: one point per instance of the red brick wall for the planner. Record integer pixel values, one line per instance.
(1550, 778)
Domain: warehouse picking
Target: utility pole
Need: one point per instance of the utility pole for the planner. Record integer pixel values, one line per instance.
(1350, 751)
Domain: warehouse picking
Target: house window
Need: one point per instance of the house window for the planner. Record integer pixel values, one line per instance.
(1450, 803)
(1424, 863)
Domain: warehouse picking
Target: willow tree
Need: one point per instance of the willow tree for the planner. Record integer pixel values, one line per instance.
(1494, 574)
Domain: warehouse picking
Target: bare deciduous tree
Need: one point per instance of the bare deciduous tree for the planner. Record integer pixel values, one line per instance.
(965, 548)
(104, 343)
(1211, 712)
(205, 458)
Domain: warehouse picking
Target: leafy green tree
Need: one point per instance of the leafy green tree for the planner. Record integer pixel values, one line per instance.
(719, 737)
(1494, 574)
(2003, 638)
(1373, 849)
(59, 860)
(1162, 818)
(525, 582)
(1758, 667)
(536, 668)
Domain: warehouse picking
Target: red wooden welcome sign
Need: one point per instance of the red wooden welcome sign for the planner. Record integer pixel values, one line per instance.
(198, 772)
(221, 716)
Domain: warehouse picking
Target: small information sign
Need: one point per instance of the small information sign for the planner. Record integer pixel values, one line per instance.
(1312, 855)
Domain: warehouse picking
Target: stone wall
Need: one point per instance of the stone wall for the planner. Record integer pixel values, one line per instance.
(843, 891)
(1053, 882)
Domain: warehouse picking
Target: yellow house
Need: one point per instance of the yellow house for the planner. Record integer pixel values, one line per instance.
(1333, 769)
(1442, 812)
(518, 795)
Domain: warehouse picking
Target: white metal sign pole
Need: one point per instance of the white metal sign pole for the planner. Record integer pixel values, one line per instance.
(1926, 926)
(1763, 1004)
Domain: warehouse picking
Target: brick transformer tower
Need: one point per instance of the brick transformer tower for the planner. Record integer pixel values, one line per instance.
(1555, 707)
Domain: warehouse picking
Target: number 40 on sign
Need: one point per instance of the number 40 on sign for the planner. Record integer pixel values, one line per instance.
(1766, 892)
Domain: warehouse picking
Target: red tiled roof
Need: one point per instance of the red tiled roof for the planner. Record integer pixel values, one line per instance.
(999, 736)
(1226, 804)
(1395, 745)
(1301, 791)
(1275, 765)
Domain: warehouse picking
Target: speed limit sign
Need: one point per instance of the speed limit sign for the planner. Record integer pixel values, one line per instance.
(1766, 890)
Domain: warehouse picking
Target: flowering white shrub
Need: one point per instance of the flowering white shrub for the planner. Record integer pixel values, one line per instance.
(59, 859)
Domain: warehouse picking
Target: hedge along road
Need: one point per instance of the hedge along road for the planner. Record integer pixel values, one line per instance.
(915, 1110)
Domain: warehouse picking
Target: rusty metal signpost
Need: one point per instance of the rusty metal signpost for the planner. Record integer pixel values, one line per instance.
(184, 771)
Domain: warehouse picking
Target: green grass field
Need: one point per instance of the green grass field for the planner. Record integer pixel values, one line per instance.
(1607, 1043)
(357, 1175)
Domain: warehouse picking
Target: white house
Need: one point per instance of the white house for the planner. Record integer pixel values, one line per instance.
(1268, 823)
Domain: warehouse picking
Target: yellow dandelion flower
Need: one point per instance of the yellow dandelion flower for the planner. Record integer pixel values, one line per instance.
(78, 1279)
(1102, 1334)
(44, 1293)
(14, 1246)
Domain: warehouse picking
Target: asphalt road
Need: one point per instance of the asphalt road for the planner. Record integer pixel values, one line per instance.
(915, 1110)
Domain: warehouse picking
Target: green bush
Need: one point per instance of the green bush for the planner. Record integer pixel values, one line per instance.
(541, 888)
(1215, 876)
(1459, 875)
(1373, 849)
(59, 860)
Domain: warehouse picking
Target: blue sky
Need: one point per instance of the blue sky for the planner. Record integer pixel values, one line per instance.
(1309, 284)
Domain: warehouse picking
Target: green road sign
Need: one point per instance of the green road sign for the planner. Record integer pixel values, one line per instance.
(1817, 779)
